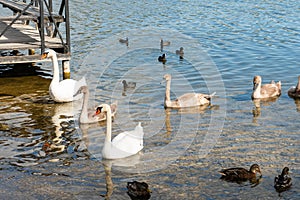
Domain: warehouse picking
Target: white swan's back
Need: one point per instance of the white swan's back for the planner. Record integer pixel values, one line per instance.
(124, 144)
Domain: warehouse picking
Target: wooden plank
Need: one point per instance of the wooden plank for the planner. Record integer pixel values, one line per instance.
(30, 58)
(21, 36)
(19, 6)
(33, 11)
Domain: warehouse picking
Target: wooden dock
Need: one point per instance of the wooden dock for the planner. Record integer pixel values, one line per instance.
(24, 32)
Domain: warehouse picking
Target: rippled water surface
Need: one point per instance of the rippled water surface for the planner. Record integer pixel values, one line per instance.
(46, 154)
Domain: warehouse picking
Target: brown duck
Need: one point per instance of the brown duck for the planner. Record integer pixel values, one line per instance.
(240, 174)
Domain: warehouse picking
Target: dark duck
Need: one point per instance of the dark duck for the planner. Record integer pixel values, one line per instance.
(162, 58)
(138, 190)
(283, 181)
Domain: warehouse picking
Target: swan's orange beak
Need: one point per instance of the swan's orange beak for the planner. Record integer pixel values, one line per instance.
(44, 55)
(98, 111)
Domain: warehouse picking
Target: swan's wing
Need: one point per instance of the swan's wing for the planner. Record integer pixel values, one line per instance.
(127, 142)
(270, 90)
(188, 99)
(192, 99)
(63, 91)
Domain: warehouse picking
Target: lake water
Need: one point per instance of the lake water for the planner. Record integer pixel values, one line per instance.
(46, 154)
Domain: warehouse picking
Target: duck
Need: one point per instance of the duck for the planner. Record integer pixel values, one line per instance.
(125, 144)
(162, 58)
(239, 173)
(95, 115)
(164, 43)
(128, 84)
(62, 91)
(186, 100)
(138, 190)
(180, 52)
(124, 41)
(283, 181)
(295, 91)
(265, 91)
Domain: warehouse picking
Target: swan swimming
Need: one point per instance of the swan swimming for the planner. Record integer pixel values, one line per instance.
(124, 144)
(265, 91)
(186, 100)
(62, 91)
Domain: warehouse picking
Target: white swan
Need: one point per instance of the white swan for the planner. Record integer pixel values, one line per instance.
(186, 100)
(61, 91)
(124, 144)
(92, 116)
(295, 91)
(265, 91)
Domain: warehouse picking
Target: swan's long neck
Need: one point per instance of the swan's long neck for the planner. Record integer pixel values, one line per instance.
(55, 78)
(298, 85)
(168, 86)
(256, 92)
(84, 111)
(108, 124)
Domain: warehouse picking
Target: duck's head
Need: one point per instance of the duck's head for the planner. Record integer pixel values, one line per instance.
(256, 82)
(48, 53)
(255, 168)
(285, 171)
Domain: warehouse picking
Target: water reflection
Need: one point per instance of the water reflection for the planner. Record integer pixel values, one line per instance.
(257, 106)
(253, 182)
(120, 165)
(297, 103)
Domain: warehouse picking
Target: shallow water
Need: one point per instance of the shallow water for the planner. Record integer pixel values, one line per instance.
(46, 154)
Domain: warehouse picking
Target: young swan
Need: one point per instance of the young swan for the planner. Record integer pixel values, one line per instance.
(92, 116)
(295, 91)
(124, 144)
(186, 100)
(265, 91)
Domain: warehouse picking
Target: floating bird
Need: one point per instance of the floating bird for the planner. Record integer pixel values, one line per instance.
(124, 144)
(283, 181)
(164, 43)
(138, 190)
(162, 58)
(124, 41)
(265, 91)
(180, 52)
(240, 174)
(186, 100)
(295, 91)
(94, 115)
(128, 84)
(62, 91)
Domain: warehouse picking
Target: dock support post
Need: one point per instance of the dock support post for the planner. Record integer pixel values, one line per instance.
(66, 69)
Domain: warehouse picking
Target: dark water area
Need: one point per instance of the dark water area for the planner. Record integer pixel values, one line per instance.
(47, 154)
